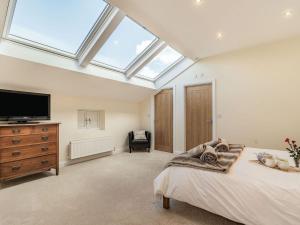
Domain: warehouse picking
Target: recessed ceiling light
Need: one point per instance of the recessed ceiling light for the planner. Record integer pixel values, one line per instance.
(199, 2)
(219, 36)
(288, 13)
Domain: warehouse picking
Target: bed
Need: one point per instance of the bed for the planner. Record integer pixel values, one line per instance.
(250, 193)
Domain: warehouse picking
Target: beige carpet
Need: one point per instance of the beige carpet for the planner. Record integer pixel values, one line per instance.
(114, 190)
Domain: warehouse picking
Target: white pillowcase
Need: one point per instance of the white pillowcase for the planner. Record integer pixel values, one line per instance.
(139, 135)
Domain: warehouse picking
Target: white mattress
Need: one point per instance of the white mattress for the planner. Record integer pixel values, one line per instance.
(250, 194)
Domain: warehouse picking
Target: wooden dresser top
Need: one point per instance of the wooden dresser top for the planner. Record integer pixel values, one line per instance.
(27, 124)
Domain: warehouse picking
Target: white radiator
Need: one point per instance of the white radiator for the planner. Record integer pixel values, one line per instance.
(88, 147)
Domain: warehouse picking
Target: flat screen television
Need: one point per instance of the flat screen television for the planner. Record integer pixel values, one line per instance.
(20, 107)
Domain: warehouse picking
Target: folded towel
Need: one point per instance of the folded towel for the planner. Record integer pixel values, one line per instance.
(212, 143)
(196, 151)
(222, 165)
(205, 157)
(226, 163)
(223, 146)
(228, 155)
(209, 155)
(235, 150)
(236, 146)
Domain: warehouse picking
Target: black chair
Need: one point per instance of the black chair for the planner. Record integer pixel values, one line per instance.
(139, 144)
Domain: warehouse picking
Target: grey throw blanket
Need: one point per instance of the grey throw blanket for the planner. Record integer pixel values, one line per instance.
(206, 158)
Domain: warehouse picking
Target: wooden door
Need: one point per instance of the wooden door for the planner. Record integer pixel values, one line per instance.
(198, 103)
(164, 120)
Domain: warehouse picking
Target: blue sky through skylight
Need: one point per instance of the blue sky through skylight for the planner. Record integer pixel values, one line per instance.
(127, 42)
(59, 24)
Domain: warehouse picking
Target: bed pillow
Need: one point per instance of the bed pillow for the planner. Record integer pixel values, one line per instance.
(140, 135)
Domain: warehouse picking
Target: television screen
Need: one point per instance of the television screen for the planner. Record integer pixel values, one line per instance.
(21, 106)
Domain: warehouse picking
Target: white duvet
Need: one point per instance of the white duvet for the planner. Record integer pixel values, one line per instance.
(250, 193)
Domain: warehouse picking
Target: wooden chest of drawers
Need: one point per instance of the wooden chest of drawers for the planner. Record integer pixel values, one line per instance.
(28, 149)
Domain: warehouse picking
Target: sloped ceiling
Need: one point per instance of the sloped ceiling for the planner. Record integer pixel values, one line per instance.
(24, 75)
(192, 28)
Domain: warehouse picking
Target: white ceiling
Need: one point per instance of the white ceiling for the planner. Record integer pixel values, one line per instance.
(24, 75)
(192, 28)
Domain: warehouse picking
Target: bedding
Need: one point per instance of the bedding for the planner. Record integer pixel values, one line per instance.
(250, 193)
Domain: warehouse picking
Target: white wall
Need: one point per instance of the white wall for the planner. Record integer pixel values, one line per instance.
(145, 114)
(257, 95)
(120, 118)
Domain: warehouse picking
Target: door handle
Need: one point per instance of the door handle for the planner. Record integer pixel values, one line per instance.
(44, 162)
(14, 168)
(16, 153)
(44, 129)
(45, 138)
(16, 141)
(44, 149)
(16, 130)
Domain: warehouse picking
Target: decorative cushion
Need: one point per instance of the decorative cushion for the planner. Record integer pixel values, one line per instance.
(139, 135)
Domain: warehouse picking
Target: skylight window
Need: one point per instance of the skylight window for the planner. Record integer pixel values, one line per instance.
(127, 42)
(58, 24)
(162, 62)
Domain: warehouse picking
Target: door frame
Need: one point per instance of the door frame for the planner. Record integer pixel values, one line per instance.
(214, 111)
(173, 87)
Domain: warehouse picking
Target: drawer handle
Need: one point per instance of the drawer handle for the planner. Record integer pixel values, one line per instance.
(45, 138)
(16, 141)
(16, 130)
(45, 129)
(44, 162)
(15, 168)
(16, 153)
(44, 149)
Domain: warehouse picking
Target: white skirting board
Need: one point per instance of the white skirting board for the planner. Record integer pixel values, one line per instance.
(91, 146)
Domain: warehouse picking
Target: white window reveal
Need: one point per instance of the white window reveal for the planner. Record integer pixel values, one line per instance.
(91, 119)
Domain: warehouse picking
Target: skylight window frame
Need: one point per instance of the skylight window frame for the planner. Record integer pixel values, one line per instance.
(33, 44)
(137, 58)
(168, 69)
(143, 53)
(98, 24)
(9, 17)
